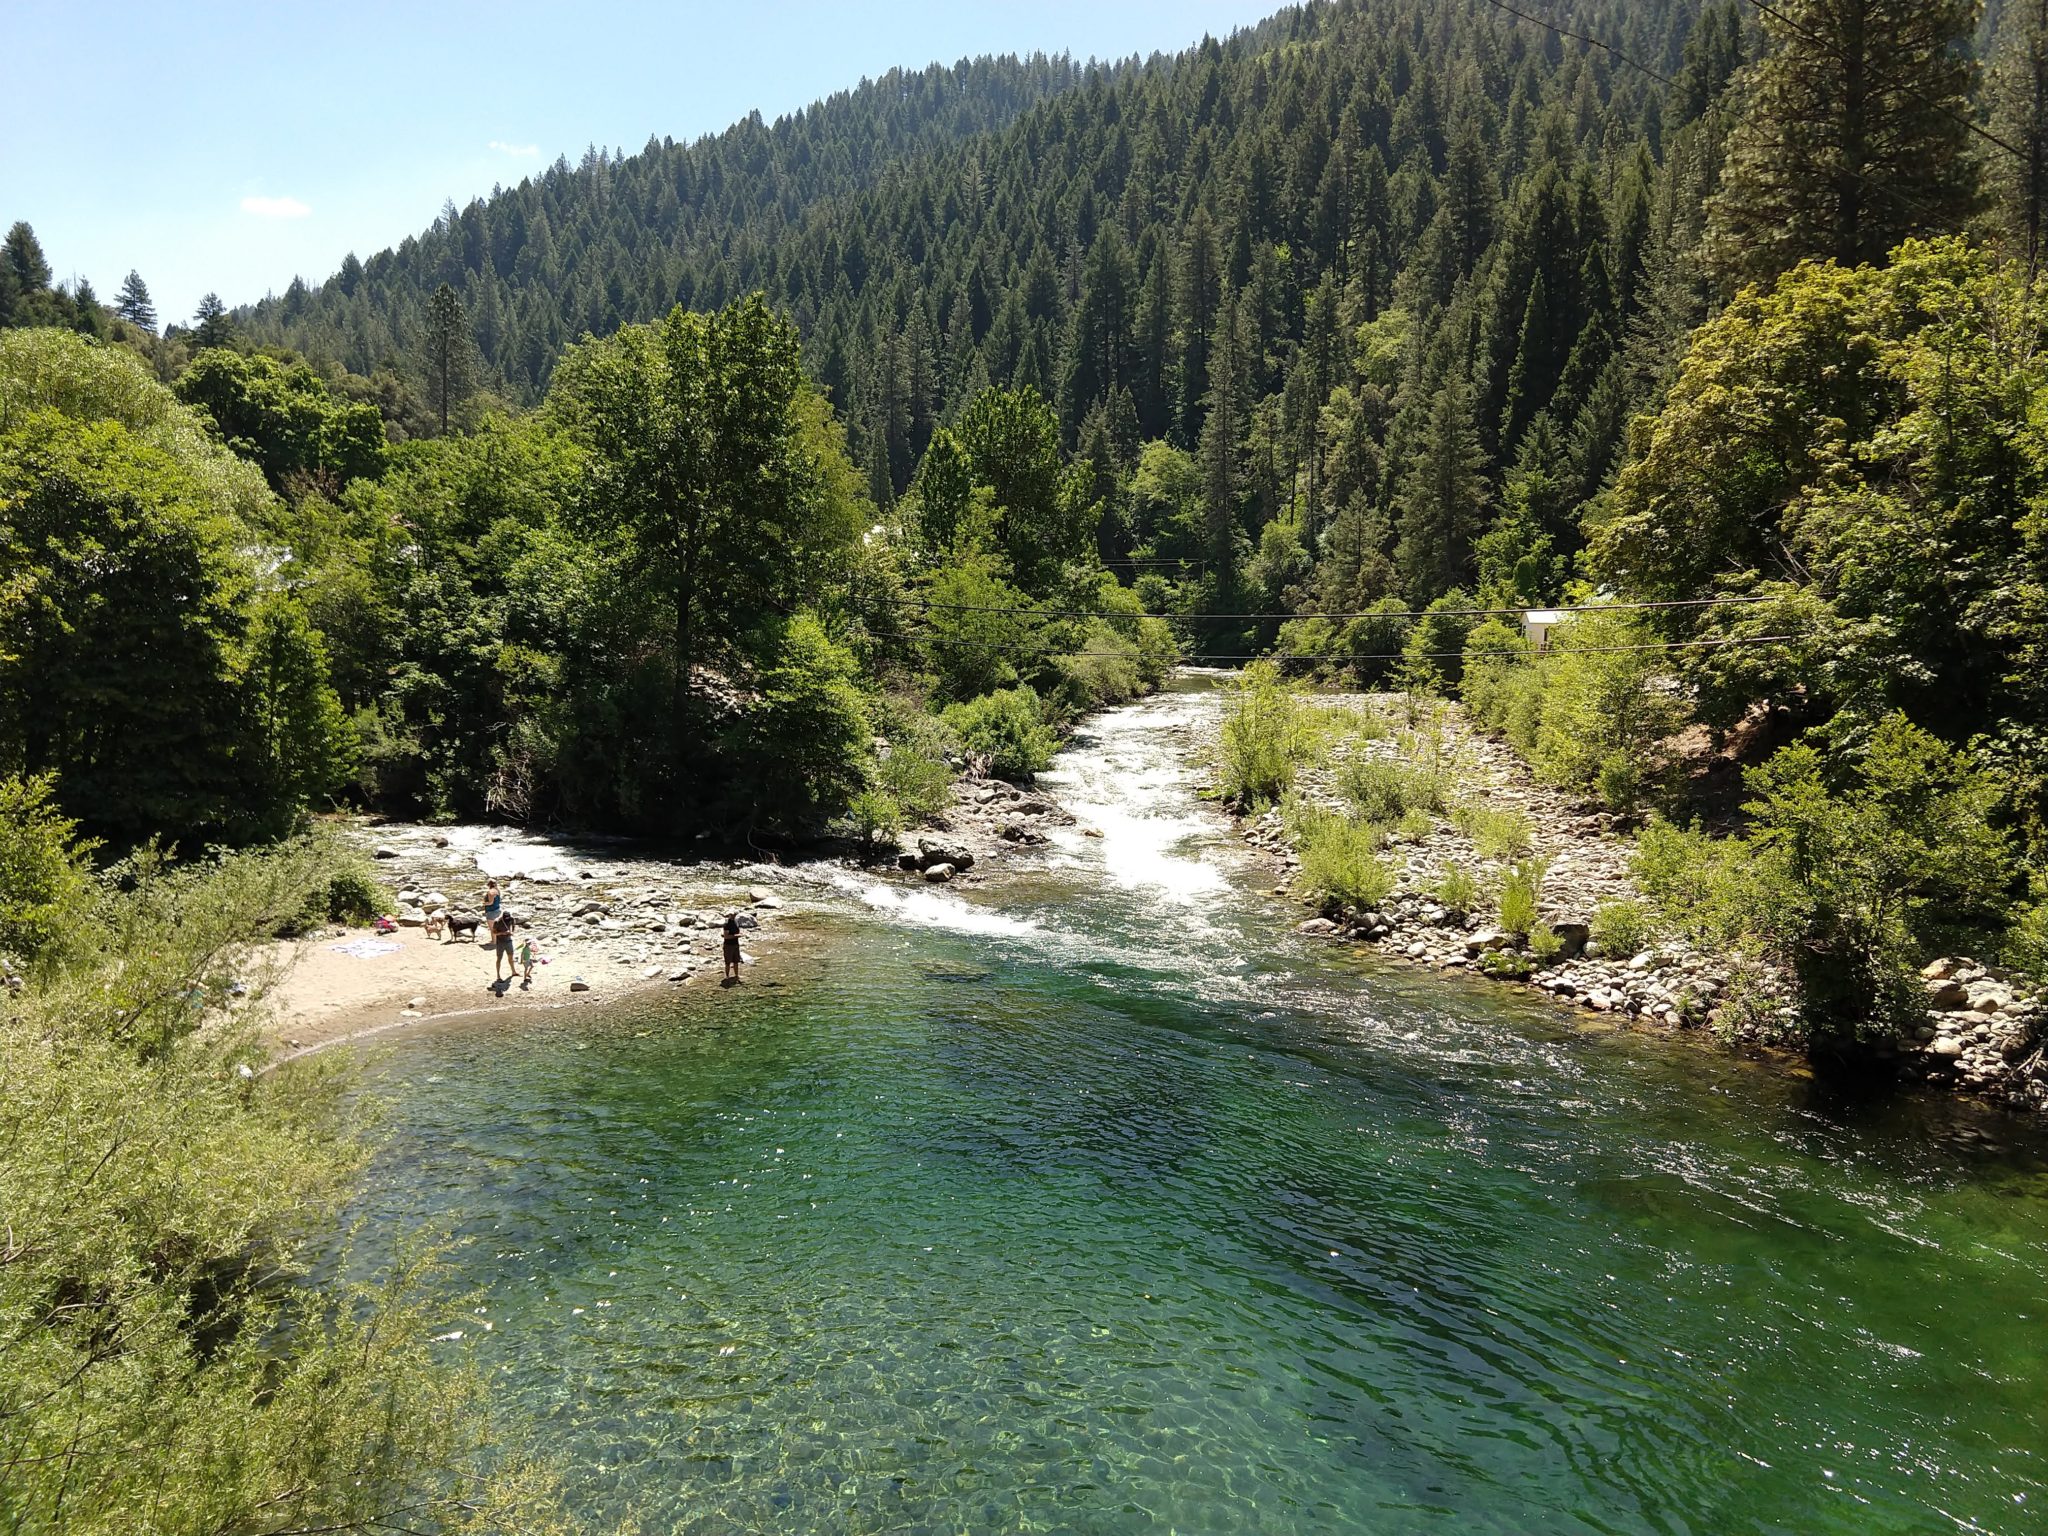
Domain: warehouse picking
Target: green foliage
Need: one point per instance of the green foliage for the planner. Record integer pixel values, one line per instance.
(1378, 790)
(284, 417)
(804, 737)
(1496, 833)
(1506, 965)
(1521, 889)
(981, 632)
(157, 1195)
(1267, 733)
(1817, 170)
(1894, 859)
(297, 747)
(44, 868)
(1620, 928)
(1340, 863)
(1544, 944)
(1593, 712)
(1869, 430)
(1708, 890)
(354, 894)
(1459, 890)
(1007, 731)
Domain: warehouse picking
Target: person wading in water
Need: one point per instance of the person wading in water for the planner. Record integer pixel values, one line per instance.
(732, 946)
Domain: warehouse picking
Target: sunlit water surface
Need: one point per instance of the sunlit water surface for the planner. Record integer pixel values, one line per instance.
(1086, 1204)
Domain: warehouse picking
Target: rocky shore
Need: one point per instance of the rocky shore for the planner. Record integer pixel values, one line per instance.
(1984, 1033)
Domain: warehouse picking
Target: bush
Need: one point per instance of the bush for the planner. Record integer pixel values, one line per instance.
(1520, 890)
(875, 816)
(1496, 834)
(1868, 876)
(1378, 790)
(1268, 732)
(1506, 965)
(1704, 889)
(1458, 890)
(44, 868)
(159, 1197)
(1544, 944)
(1340, 863)
(353, 892)
(1413, 826)
(1006, 730)
(1620, 928)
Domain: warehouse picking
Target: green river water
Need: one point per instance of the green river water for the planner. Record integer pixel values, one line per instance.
(1087, 1204)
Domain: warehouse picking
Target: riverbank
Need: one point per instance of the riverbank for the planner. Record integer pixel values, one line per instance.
(611, 917)
(1984, 1030)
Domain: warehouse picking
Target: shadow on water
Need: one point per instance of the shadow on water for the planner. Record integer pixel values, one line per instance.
(1087, 1205)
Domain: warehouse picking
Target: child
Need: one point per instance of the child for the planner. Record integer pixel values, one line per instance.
(529, 956)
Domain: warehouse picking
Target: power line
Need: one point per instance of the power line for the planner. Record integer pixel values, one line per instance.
(1011, 609)
(1283, 656)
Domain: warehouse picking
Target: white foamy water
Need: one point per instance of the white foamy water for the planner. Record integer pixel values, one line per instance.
(931, 909)
(1126, 777)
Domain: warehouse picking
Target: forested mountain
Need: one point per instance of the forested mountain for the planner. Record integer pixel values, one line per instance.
(1500, 205)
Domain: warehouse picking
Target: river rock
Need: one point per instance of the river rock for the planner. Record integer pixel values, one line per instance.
(1574, 937)
(591, 909)
(939, 874)
(1942, 969)
(412, 917)
(1317, 927)
(930, 851)
(759, 897)
(1948, 1047)
(579, 985)
(1944, 993)
(383, 851)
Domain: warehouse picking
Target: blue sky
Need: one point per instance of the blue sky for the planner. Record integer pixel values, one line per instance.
(228, 147)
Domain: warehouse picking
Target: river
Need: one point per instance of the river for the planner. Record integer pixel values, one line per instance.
(1097, 1202)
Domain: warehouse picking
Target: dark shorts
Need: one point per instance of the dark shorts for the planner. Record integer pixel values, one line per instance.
(504, 944)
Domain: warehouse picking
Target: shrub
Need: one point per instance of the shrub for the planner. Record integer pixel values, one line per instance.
(1520, 890)
(1620, 928)
(875, 816)
(1007, 730)
(1506, 965)
(1458, 890)
(354, 894)
(44, 867)
(1413, 826)
(1496, 834)
(1377, 789)
(1268, 732)
(1865, 877)
(1544, 944)
(1705, 889)
(1340, 863)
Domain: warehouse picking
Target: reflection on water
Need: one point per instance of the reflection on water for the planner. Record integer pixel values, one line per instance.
(1082, 1204)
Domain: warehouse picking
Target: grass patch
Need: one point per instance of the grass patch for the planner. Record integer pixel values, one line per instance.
(1496, 833)
(1340, 862)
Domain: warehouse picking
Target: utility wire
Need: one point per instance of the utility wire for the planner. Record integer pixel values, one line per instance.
(1283, 656)
(931, 605)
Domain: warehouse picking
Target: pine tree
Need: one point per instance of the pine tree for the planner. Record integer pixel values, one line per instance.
(24, 254)
(212, 326)
(1442, 501)
(133, 304)
(1221, 443)
(450, 364)
(1853, 139)
(2019, 116)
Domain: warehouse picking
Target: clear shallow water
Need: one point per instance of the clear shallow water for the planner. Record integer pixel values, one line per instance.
(1087, 1206)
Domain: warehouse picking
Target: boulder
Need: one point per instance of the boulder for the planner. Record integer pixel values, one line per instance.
(383, 851)
(1944, 994)
(1948, 1047)
(1487, 941)
(938, 874)
(758, 896)
(1942, 969)
(412, 917)
(592, 909)
(579, 985)
(433, 899)
(1317, 927)
(1573, 937)
(930, 851)
(410, 899)
(906, 862)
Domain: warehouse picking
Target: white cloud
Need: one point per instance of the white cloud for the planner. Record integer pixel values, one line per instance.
(275, 207)
(516, 151)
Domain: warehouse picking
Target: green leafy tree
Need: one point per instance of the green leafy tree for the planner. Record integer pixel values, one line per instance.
(1854, 136)
(1011, 439)
(701, 468)
(297, 748)
(285, 418)
(804, 736)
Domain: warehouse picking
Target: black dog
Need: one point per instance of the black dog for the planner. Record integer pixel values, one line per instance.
(463, 925)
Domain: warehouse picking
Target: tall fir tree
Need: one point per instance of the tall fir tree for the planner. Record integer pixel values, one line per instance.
(449, 352)
(212, 325)
(2019, 118)
(1854, 136)
(133, 303)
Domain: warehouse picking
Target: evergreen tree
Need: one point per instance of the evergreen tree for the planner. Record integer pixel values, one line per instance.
(24, 256)
(2019, 117)
(1442, 500)
(133, 305)
(1221, 447)
(212, 325)
(449, 352)
(1852, 139)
